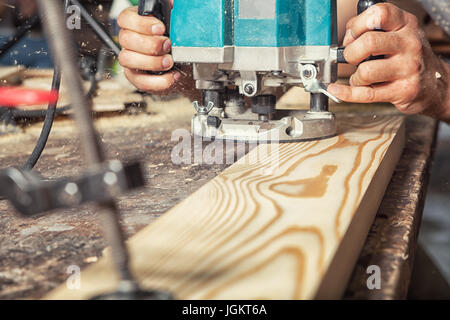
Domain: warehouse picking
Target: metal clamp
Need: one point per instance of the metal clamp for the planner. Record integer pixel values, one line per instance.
(202, 110)
(308, 73)
(31, 195)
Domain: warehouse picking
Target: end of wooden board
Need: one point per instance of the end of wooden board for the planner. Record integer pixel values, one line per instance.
(336, 279)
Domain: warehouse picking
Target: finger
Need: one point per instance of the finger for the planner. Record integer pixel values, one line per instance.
(348, 38)
(376, 71)
(381, 93)
(350, 22)
(372, 43)
(148, 45)
(152, 83)
(130, 19)
(384, 16)
(133, 60)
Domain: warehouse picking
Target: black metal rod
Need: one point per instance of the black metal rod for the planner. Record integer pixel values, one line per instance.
(97, 27)
(20, 33)
(64, 54)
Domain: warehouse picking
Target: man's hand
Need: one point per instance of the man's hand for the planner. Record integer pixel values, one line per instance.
(410, 76)
(145, 48)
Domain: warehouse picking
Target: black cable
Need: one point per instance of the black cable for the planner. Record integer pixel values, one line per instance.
(97, 28)
(49, 114)
(34, 21)
(52, 109)
(49, 118)
(48, 123)
(20, 33)
(31, 114)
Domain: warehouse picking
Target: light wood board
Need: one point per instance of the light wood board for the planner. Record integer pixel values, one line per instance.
(287, 224)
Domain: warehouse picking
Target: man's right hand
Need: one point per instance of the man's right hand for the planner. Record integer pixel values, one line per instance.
(145, 48)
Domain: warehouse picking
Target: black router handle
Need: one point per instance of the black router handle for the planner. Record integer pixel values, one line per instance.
(363, 5)
(160, 9)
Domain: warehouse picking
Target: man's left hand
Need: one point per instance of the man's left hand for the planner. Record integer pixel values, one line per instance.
(410, 76)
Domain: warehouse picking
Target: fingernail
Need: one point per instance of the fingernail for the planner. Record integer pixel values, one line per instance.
(374, 14)
(167, 46)
(348, 37)
(167, 62)
(158, 29)
(177, 76)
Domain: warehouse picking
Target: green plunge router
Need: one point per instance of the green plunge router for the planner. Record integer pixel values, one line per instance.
(246, 50)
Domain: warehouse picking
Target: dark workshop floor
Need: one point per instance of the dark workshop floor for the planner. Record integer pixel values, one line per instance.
(35, 253)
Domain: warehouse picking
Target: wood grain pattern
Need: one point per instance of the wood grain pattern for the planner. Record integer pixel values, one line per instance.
(392, 241)
(287, 224)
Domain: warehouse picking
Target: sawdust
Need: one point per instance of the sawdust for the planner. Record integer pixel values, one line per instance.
(74, 237)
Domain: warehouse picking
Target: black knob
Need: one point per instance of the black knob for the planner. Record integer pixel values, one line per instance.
(160, 9)
(147, 7)
(264, 105)
(363, 5)
(213, 122)
(340, 55)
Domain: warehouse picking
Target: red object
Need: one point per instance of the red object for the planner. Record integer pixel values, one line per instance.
(15, 96)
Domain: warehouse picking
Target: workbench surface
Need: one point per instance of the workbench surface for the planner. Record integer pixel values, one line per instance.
(35, 253)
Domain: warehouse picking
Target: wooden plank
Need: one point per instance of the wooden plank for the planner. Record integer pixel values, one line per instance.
(38, 73)
(291, 232)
